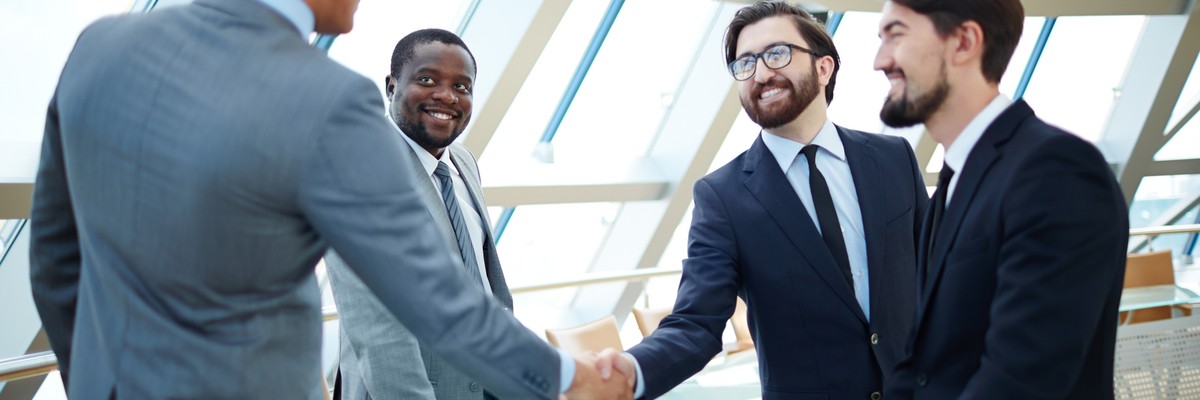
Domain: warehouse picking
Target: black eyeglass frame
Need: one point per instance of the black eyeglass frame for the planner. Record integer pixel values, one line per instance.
(759, 56)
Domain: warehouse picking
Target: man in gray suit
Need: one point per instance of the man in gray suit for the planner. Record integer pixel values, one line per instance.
(197, 162)
(429, 89)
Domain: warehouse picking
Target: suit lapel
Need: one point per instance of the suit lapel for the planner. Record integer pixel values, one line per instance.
(982, 157)
(432, 198)
(863, 159)
(470, 176)
(767, 183)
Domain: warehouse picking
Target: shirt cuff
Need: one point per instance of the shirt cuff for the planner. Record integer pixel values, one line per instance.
(567, 371)
(639, 388)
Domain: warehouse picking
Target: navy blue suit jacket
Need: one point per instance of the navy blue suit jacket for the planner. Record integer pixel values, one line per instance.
(1020, 295)
(751, 237)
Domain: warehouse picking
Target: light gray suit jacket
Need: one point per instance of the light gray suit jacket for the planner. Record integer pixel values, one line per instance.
(197, 162)
(380, 358)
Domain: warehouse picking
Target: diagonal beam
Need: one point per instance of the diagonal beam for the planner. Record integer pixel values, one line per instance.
(516, 51)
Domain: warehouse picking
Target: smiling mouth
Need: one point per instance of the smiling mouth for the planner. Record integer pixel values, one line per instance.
(769, 93)
(440, 114)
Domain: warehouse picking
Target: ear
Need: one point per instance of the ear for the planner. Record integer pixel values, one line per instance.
(824, 70)
(389, 86)
(969, 46)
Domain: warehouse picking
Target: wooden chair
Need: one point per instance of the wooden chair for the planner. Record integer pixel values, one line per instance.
(592, 336)
(649, 318)
(741, 329)
(1150, 269)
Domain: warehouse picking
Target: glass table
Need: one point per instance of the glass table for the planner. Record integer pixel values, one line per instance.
(1137, 298)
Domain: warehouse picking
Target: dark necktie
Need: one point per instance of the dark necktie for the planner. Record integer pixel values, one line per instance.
(827, 218)
(939, 205)
(465, 248)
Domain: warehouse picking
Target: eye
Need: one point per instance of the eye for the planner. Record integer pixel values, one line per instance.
(462, 87)
(425, 79)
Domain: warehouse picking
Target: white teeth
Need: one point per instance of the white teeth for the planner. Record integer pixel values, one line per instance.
(439, 115)
(769, 93)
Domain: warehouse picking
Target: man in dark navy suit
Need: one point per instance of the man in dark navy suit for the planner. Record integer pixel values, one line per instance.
(815, 227)
(1023, 249)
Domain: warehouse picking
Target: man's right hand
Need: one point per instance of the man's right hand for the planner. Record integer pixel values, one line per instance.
(609, 359)
(588, 383)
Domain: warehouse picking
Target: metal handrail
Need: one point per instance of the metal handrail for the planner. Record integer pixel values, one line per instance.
(1162, 230)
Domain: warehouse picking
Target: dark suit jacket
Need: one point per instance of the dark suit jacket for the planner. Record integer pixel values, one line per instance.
(751, 237)
(1022, 285)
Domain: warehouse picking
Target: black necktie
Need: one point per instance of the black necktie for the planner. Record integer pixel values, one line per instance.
(465, 248)
(939, 205)
(827, 218)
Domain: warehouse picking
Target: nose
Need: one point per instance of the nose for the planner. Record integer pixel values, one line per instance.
(883, 58)
(445, 95)
(762, 74)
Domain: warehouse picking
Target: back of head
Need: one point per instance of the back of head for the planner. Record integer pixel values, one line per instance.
(812, 30)
(1001, 20)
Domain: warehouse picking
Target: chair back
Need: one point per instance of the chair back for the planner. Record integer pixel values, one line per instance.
(592, 336)
(649, 318)
(1150, 269)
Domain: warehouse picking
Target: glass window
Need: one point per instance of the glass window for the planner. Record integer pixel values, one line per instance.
(632, 83)
(1155, 196)
(378, 25)
(534, 104)
(1186, 143)
(1081, 71)
(38, 37)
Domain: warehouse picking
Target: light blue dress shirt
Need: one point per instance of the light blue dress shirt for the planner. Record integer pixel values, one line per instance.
(831, 161)
(296, 12)
(301, 17)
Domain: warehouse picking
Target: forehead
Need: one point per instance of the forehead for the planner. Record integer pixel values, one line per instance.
(898, 15)
(440, 57)
(768, 31)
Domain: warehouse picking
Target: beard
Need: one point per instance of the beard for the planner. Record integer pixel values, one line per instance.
(805, 92)
(416, 130)
(905, 112)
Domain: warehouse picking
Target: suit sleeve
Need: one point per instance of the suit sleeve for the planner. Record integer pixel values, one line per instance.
(54, 247)
(687, 339)
(386, 354)
(375, 219)
(1065, 227)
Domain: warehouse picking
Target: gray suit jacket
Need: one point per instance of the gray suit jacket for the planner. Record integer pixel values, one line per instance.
(380, 358)
(197, 162)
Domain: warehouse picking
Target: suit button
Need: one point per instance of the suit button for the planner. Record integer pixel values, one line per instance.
(874, 338)
(474, 386)
(922, 379)
(876, 395)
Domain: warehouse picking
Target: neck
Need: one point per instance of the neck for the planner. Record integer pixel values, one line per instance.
(806, 126)
(962, 104)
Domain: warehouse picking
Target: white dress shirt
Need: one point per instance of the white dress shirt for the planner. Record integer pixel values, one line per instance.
(831, 161)
(957, 152)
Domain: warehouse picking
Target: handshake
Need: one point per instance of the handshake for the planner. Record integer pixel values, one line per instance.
(605, 375)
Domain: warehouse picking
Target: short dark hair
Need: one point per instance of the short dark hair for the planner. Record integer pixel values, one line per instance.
(813, 31)
(1001, 21)
(408, 44)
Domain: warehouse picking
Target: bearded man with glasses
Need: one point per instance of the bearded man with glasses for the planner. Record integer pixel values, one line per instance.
(815, 227)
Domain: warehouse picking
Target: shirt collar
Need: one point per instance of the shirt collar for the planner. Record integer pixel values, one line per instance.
(296, 12)
(427, 160)
(785, 150)
(956, 154)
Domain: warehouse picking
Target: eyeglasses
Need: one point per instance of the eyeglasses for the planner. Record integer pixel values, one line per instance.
(774, 57)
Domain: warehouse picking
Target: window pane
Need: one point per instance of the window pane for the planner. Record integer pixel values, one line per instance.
(1186, 144)
(526, 118)
(1081, 70)
(634, 78)
(38, 37)
(1157, 194)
